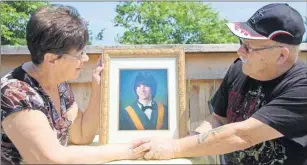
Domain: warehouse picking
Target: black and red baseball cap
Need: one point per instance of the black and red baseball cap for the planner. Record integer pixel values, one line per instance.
(278, 22)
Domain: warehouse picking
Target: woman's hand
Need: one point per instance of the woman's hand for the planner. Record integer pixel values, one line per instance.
(96, 78)
(128, 154)
(155, 148)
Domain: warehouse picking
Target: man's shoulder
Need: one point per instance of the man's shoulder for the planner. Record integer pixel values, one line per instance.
(294, 80)
(234, 73)
(236, 67)
(297, 74)
(301, 67)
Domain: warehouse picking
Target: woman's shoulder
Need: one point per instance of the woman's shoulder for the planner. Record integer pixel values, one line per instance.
(7, 78)
(16, 81)
(12, 82)
(17, 95)
(16, 77)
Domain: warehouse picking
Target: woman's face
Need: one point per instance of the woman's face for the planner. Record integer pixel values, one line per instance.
(70, 65)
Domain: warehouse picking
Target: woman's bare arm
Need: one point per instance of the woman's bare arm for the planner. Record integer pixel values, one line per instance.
(32, 135)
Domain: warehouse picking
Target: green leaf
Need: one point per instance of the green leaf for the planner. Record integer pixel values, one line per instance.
(171, 23)
(14, 17)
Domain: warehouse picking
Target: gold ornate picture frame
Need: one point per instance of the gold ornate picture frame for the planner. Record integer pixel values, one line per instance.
(164, 72)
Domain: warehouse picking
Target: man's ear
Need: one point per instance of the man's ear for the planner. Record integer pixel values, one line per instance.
(284, 55)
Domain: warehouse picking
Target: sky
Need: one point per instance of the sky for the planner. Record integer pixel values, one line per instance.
(100, 15)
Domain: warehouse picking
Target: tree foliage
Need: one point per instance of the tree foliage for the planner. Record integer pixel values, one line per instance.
(171, 23)
(14, 17)
(100, 34)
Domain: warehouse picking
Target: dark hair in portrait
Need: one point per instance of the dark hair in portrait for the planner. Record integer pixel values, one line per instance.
(146, 78)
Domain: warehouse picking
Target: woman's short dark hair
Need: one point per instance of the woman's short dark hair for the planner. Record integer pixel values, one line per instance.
(55, 29)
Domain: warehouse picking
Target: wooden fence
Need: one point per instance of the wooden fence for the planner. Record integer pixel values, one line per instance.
(206, 66)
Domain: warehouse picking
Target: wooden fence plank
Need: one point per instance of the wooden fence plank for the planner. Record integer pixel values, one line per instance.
(201, 92)
(211, 66)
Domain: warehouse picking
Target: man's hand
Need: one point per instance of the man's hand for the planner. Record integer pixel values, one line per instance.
(128, 154)
(155, 148)
(96, 77)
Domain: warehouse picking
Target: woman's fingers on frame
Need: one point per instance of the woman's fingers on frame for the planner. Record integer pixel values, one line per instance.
(99, 62)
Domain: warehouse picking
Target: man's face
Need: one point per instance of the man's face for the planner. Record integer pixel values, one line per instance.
(259, 57)
(144, 92)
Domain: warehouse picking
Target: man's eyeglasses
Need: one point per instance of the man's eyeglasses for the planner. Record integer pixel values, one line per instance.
(250, 50)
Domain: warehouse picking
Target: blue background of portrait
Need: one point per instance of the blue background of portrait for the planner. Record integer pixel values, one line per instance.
(127, 94)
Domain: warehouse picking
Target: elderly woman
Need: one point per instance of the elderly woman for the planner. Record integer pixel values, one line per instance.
(38, 110)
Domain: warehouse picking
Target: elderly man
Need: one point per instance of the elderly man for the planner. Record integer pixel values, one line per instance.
(260, 110)
(145, 113)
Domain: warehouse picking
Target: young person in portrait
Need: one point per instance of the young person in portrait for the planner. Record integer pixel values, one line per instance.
(144, 113)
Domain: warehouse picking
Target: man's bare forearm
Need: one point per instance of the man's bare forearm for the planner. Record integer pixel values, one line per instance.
(210, 122)
(217, 141)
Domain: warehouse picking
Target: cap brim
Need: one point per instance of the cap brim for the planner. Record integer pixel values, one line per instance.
(242, 30)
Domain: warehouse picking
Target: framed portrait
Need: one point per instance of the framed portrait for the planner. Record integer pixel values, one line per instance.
(143, 94)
